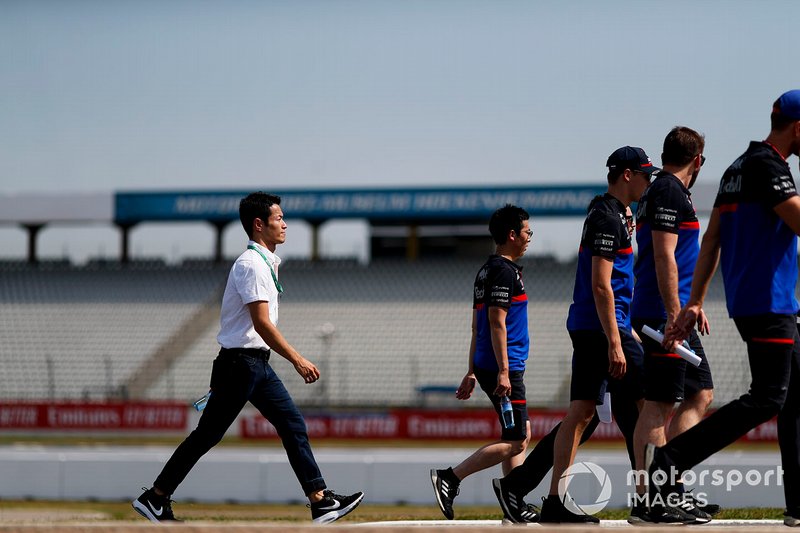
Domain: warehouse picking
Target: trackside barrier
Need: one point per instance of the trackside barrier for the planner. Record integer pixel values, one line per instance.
(479, 425)
(178, 417)
(94, 416)
(386, 475)
(732, 478)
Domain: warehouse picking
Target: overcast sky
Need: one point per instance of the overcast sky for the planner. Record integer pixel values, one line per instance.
(187, 94)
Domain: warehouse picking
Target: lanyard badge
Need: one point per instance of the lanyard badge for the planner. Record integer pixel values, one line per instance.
(271, 271)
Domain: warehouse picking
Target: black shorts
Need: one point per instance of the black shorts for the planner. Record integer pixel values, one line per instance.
(668, 377)
(590, 377)
(487, 379)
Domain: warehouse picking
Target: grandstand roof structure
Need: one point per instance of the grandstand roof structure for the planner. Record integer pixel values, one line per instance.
(410, 208)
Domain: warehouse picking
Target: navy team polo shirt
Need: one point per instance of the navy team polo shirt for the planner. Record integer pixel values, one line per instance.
(665, 206)
(499, 283)
(605, 234)
(759, 251)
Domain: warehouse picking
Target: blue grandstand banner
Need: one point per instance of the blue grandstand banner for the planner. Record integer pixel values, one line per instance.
(450, 204)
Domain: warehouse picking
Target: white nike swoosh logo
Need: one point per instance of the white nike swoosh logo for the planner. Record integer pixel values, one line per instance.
(336, 505)
(157, 513)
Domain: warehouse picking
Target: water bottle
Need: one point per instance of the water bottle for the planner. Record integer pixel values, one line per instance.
(200, 403)
(604, 409)
(506, 412)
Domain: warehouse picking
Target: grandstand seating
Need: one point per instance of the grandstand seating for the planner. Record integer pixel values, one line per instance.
(378, 332)
(80, 332)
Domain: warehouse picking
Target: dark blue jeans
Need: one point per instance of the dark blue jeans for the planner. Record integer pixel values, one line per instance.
(239, 376)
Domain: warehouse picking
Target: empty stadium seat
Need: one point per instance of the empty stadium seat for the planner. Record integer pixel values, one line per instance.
(379, 333)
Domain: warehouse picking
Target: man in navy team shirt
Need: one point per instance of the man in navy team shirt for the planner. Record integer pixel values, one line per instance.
(605, 352)
(667, 233)
(752, 232)
(497, 354)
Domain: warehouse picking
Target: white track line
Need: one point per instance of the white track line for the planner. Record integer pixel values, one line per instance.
(714, 524)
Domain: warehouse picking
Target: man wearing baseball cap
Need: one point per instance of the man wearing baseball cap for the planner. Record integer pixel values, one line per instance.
(632, 158)
(752, 233)
(605, 352)
(627, 168)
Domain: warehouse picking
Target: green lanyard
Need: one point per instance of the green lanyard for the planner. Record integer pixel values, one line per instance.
(274, 277)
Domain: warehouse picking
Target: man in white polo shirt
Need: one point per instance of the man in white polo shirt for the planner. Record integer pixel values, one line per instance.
(241, 372)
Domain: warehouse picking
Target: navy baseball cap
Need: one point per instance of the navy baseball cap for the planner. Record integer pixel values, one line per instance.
(633, 158)
(788, 105)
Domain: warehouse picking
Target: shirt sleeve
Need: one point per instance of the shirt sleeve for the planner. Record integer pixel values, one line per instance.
(664, 208)
(777, 184)
(604, 235)
(500, 284)
(250, 282)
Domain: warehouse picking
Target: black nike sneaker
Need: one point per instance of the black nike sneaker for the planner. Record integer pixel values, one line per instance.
(333, 506)
(154, 507)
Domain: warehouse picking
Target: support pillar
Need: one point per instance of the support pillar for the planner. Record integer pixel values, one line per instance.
(315, 252)
(219, 226)
(412, 243)
(124, 244)
(33, 232)
(315, 241)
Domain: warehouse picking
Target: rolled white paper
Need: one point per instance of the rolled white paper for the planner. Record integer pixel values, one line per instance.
(680, 349)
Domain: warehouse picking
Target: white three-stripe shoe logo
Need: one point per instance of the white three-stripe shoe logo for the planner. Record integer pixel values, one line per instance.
(512, 500)
(686, 505)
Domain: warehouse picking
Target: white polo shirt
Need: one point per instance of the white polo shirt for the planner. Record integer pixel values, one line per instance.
(250, 280)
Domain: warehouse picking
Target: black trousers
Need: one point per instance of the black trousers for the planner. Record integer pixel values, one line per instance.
(773, 351)
(239, 376)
